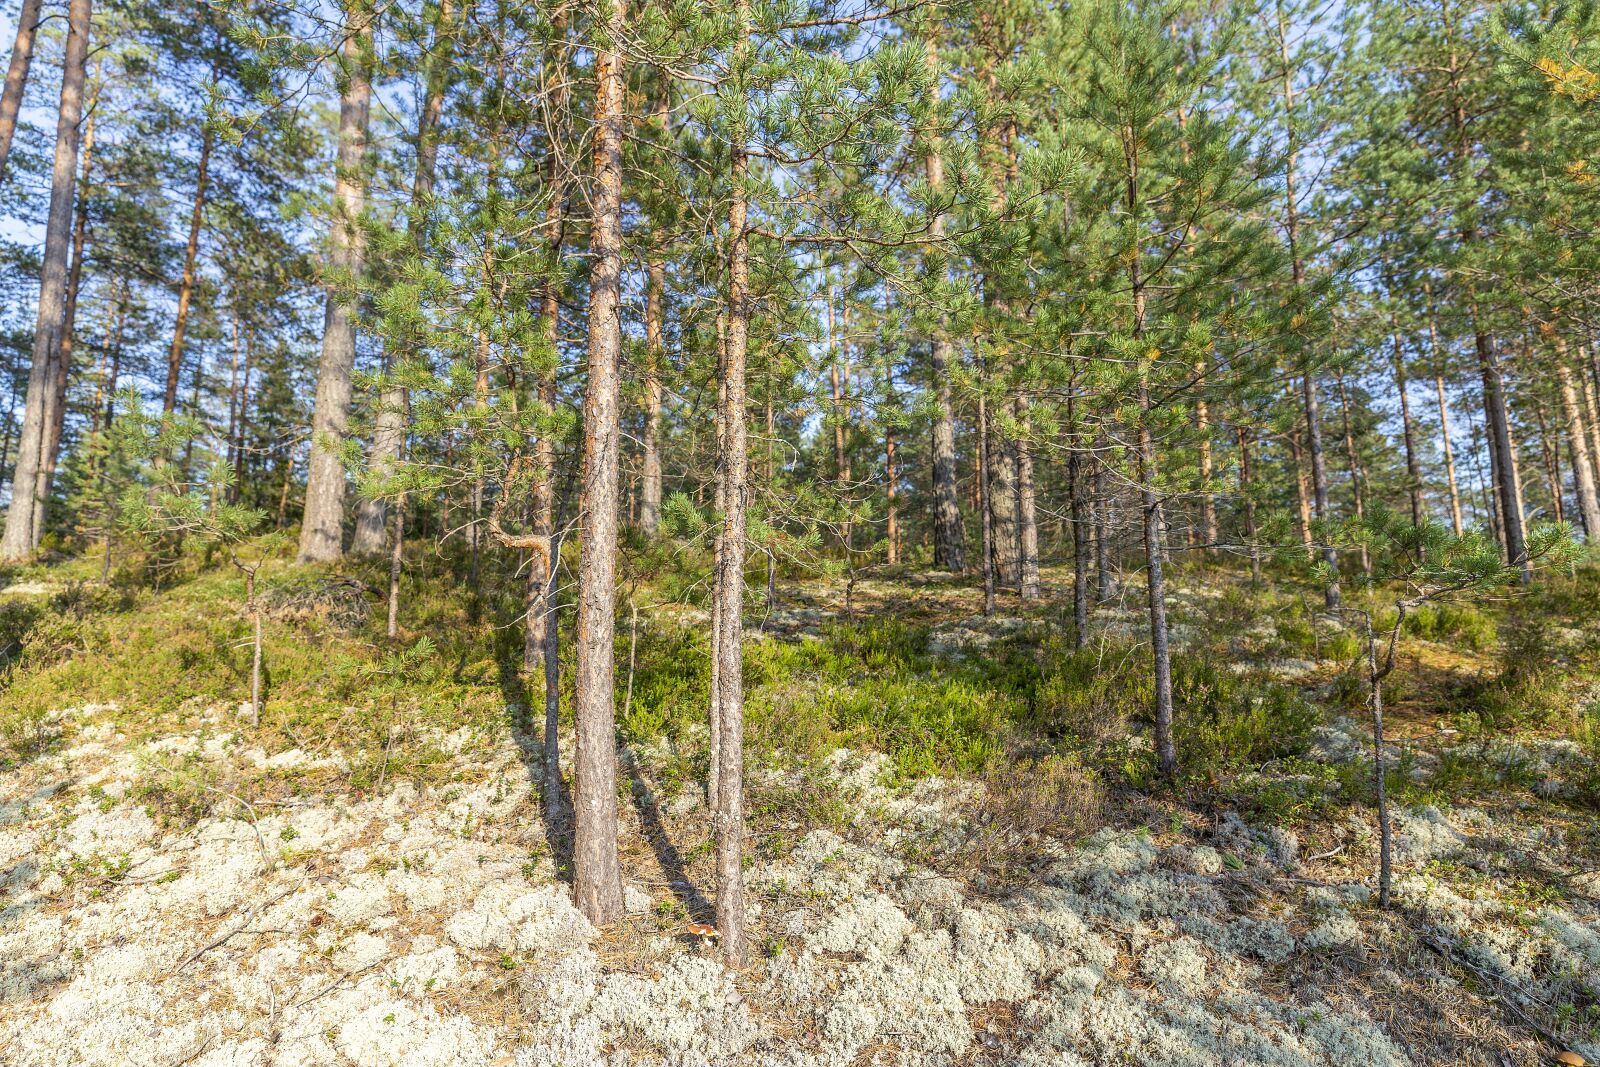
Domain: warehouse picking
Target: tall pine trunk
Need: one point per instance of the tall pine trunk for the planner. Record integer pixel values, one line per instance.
(389, 426)
(1578, 443)
(542, 641)
(1027, 516)
(1202, 425)
(1353, 458)
(949, 538)
(1079, 522)
(322, 528)
(1308, 382)
(186, 282)
(728, 817)
(891, 473)
(1246, 490)
(597, 876)
(56, 414)
(1149, 498)
(1497, 420)
(985, 491)
(655, 360)
(1444, 413)
(21, 534)
(1408, 436)
(17, 77)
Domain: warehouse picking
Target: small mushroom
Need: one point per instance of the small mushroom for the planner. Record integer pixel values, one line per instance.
(1571, 1059)
(705, 932)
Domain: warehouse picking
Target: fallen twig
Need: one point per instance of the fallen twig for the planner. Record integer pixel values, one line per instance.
(214, 942)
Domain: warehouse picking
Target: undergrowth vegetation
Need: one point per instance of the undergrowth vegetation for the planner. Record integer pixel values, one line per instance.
(876, 681)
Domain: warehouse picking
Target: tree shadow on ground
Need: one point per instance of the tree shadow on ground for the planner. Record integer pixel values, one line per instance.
(557, 819)
(648, 808)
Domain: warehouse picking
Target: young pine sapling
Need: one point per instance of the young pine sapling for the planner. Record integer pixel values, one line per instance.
(1416, 564)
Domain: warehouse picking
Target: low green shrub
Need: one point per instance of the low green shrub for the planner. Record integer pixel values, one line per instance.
(1459, 624)
(1226, 721)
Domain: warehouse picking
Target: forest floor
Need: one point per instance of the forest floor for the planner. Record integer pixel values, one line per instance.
(958, 853)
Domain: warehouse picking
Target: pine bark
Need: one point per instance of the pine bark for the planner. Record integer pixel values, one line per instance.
(1502, 456)
(21, 533)
(1353, 458)
(1413, 465)
(1578, 443)
(1308, 384)
(656, 357)
(597, 875)
(1003, 511)
(542, 640)
(389, 427)
(1150, 500)
(985, 510)
(17, 77)
(322, 528)
(1079, 523)
(728, 818)
(891, 477)
(1246, 491)
(1028, 588)
(949, 538)
(186, 282)
(1589, 386)
(1444, 414)
(1208, 499)
(56, 414)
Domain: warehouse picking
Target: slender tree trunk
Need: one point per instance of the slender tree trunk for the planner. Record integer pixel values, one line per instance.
(1502, 455)
(949, 539)
(656, 357)
(891, 476)
(283, 489)
(772, 557)
(543, 635)
(1247, 492)
(1002, 458)
(1102, 533)
(1413, 465)
(17, 77)
(56, 414)
(1150, 501)
(236, 452)
(1577, 441)
(985, 491)
(389, 426)
(1027, 517)
(322, 528)
(720, 506)
(1079, 523)
(728, 818)
(1208, 499)
(1589, 385)
(1444, 414)
(21, 535)
(597, 881)
(1308, 384)
(1497, 419)
(1302, 485)
(5, 442)
(186, 283)
(837, 349)
(1375, 676)
(1550, 453)
(1357, 479)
